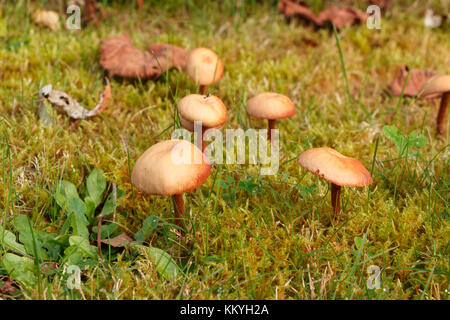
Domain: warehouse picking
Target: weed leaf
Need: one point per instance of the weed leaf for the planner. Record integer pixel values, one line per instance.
(64, 192)
(23, 225)
(96, 185)
(79, 251)
(8, 239)
(21, 269)
(405, 144)
(165, 265)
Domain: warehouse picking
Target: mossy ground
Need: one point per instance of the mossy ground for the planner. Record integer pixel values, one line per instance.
(274, 242)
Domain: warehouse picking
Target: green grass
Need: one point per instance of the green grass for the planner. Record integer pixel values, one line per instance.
(254, 237)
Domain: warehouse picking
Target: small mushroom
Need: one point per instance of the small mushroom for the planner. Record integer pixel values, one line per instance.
(330, 165)
(270, 106)
(46, 18)
(439, 84)
(207, 109)
(170, 168)
(204, 67)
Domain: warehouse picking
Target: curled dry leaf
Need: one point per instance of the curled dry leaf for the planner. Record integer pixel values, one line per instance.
(61, 101)
(119, 57)
(119, 241)
(415, 81)
(45, 18)
(8, 287)
(339, 16)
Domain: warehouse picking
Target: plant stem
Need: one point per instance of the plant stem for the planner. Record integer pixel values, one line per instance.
(442, 109)
(99, 237)
(336, 198)
(202, 89)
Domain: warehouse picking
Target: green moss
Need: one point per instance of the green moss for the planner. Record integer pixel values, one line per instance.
(278, 243)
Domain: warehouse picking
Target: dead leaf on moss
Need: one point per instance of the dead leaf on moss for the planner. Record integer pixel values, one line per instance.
(7, 287)
(339, 16)
(61, 101)
(342, 17)
(292, 8)
(383, 4)
(91, 9)
(119, 57)
(45, 18)
(120, 241)
(415, 81)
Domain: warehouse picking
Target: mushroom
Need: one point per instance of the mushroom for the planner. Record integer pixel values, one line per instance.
(341, 171)
(170, 168)
(204, 67)
(209, 110)
(439, 84)
(270, 106)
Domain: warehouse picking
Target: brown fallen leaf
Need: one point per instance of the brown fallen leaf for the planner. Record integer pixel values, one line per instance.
(342, 17)
(120, 241)
(383, 4)
(7, 287)
(91, 9)
(119, 57)
(415, 81)
(291, 8)
(339, 16)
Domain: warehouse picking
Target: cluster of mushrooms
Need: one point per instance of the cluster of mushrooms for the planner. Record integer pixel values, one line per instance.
(155, 172)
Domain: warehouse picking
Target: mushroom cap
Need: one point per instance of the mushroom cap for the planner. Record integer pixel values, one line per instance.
(204, 66)
(334, 167)
(270, 105)
(438, 84)
(208, 109)
(170, 167)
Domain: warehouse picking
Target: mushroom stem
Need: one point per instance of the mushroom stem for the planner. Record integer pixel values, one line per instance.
(271, 126)
(203, 145)
(336, 198)
(179, 209)
(203, 138)
(442, 109)
(202, 89)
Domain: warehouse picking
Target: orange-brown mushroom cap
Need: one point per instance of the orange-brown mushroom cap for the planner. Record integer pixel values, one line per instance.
(170, 167)
(204, 66)
(334, 167)
(270, 105)
(437, 84)
(208, 109)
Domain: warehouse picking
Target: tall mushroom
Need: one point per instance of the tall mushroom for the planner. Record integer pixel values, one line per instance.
(204, 67)
(170, 168)
(439, 84)
(341, 171)
(271, 106)
(209, 110)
